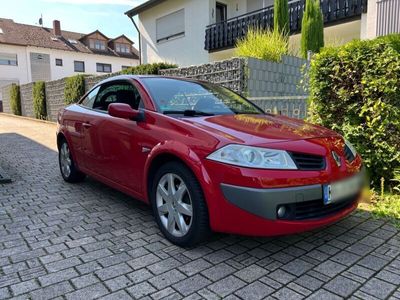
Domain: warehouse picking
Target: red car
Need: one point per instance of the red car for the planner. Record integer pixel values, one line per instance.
(206, 159)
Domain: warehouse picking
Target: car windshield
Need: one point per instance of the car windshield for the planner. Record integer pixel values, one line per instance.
(187, 98)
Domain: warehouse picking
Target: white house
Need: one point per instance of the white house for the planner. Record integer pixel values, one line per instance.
(32, 53)
(189, 32)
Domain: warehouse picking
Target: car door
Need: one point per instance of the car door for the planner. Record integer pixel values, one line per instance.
(113, 144)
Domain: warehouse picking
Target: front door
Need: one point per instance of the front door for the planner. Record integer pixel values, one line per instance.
(112, 144)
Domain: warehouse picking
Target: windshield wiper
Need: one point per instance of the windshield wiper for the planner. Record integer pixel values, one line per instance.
(187, 113)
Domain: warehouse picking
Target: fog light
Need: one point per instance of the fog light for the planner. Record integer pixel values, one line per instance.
(281, 211)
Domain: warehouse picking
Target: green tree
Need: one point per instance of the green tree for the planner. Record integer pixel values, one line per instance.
(39, 100)
(312, 28)
(281, 17)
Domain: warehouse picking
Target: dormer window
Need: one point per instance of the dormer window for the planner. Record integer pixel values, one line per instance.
(122, 48)
(97, 44)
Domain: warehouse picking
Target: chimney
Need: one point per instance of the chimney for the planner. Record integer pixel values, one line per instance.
(56, 28)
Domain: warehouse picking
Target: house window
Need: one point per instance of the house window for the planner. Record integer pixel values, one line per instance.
(125, 67)
(221, 12)
(171, 26)
(59, 62)
(97, 44)
(8, 59)
(122, 48)
(104, 68)
(79, 66)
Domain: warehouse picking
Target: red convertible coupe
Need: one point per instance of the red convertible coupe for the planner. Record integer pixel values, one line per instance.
(206, 159)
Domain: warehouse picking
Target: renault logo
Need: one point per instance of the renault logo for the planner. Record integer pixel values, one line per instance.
(336, 157)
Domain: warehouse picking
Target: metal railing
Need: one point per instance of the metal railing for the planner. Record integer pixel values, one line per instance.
(225, 34)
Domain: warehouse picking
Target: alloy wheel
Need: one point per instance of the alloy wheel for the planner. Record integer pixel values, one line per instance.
(65, 160)
(174, 204)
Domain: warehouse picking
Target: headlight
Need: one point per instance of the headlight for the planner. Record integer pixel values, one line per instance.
(253, 157)
(351, 148)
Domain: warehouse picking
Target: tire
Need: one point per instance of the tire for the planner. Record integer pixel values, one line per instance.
(179, 205)
(67, 166)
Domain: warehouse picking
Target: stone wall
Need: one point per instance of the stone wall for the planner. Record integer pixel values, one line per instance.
(93, 80)
(27, 100)
(229, 73)
(6, 98)
(266, 78)
(291, 106)
(54, 98)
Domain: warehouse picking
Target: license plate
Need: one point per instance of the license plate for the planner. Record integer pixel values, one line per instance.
(342, 189)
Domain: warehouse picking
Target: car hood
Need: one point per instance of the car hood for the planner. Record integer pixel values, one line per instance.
(259, 129)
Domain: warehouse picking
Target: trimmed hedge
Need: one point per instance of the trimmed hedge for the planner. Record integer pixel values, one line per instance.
(74, 89)
(148, 69)
(15, 99)
(355, 89)
(39, 100)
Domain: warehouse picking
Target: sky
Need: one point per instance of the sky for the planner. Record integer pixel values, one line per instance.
(75, 15)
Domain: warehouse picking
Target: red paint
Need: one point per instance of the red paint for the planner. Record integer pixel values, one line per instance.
(111, 150)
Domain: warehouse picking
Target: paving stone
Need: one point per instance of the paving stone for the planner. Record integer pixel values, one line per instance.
(309, 282)
(4, 293)
(330, 268)
(297, 267)
(113, 271)
(378, 288)
(57, 277)
(287, 294)
(84, 281)
(251, 273)
(226, 286)
(118, 283)
(141, 290)
(372, 262)
(255, 290)
(217, 272)
(120, 295)
(325, 295)
(139, 275)
(90, 292)
(191, 284)
(342, 286)
(163, 280)
(52, 291)
(281, 276)
(24, 287)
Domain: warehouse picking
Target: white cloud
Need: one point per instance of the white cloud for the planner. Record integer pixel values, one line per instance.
(94, 2)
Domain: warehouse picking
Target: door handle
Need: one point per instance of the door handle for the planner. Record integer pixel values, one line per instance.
(86, 125)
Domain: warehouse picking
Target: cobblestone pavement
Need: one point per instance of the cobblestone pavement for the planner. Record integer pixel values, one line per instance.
(88, 241)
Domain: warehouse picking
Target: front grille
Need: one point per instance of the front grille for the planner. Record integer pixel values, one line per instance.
(316, 209)
(348, 154)
(308, 161)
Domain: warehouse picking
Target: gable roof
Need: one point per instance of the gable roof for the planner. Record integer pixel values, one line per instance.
(30, 35)
(140, 8)
(96, 31)
(122, 36)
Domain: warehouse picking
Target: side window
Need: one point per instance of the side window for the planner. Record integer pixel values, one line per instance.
(89, 99)
(121, 92)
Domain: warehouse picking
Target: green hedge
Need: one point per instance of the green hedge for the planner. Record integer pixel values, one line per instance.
(355, 89)
(15, 99)
(39, 100)
(150, 69)
(74, 88)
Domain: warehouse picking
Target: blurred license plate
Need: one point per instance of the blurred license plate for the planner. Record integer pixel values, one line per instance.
(342, 189)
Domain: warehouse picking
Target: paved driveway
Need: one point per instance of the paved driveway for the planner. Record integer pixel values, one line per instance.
(88, 241)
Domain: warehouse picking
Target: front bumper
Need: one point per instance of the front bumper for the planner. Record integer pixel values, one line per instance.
(300, 203)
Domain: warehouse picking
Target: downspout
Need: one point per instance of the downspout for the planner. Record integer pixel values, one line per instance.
(140, 39)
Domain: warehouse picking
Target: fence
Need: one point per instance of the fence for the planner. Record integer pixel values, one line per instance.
(273, 86)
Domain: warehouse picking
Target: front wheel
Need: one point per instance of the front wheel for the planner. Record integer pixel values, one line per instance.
(67, 166)
(179, 206)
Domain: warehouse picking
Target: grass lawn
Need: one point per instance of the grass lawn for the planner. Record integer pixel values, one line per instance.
(386, 207)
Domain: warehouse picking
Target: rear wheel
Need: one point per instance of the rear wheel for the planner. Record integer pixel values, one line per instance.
(179, 206)
(67, 166)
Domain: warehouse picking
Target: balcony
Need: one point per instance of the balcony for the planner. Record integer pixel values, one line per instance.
(223, 35)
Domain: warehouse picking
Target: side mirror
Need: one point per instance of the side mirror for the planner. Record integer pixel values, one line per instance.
(125, 111)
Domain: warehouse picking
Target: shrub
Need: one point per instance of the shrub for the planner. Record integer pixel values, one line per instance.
(355, 89)
(312, 28)
(74, 88)
(39, 100)
(148, 69)
(15, 99)
(262, 44)
(281, 17)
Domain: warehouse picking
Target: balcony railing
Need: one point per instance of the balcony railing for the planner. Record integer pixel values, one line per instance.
(225, 34)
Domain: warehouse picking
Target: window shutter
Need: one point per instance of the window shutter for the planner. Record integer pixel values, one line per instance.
(171, 25)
